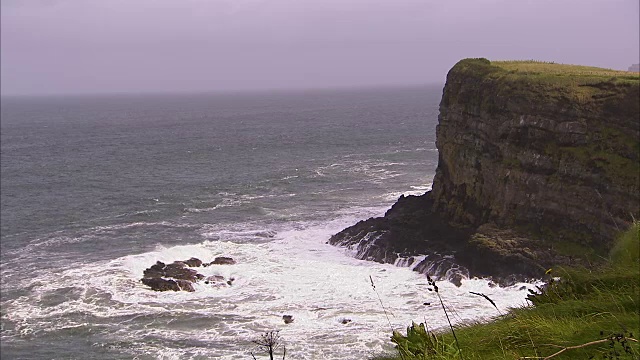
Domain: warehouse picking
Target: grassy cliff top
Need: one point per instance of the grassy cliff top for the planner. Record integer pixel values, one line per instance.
(542, 81)
(547, 72)
(550, 68)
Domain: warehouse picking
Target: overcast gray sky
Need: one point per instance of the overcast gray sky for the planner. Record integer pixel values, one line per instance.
(96, 46)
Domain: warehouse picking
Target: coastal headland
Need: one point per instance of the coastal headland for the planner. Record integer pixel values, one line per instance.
(538, 166)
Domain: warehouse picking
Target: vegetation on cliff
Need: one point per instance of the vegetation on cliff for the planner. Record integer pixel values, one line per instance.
(592, 314)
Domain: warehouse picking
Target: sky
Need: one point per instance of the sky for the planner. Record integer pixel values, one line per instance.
(137, 46)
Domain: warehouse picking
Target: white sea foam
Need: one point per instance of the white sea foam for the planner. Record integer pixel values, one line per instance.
(290, 177)
(409, 262)
(373, 171)
(415, 190)
(199, 210)
(134, 213)
(234, 200)
(295, 273)
(98, 229)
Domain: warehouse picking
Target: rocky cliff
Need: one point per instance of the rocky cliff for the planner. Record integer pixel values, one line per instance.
(538, 165)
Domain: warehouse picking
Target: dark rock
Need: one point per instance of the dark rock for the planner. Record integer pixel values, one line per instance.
(222, 260)
(408, 228)
(159, 284)
(345, 321)
(193, 262)
(185, 285)
(155, 271)
(456, 279)
(288, 319)
(178, 275)
(179, 271)
(175, 276)
(176, 270)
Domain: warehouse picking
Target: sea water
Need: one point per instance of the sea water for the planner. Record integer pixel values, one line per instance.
(95, 189)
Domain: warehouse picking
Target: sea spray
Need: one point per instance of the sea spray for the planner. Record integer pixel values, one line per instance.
(295, 273)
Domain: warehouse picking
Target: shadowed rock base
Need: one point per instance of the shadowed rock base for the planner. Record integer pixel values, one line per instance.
(410, 230)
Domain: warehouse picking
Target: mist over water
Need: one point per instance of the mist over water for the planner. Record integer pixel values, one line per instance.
(96, 189)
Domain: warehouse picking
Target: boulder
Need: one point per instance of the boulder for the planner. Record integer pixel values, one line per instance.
(175, 276)
(193, 262)
(179, 271)
(185, 285)
(155, 271)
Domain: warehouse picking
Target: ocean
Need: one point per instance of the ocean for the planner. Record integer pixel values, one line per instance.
(95, 189)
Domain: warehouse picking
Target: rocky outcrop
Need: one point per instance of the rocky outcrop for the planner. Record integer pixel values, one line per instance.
(178, 276)
(177, 270)
(538, 165)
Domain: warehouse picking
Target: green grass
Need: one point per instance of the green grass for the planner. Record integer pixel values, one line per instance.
(549, 82)
(564, 74)
(626, 252)
(531, 67)
(582, 307)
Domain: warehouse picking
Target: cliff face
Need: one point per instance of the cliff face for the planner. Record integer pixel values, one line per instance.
(538, 165)
(519, 151)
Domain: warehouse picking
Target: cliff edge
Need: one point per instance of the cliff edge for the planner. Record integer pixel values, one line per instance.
(539, 165)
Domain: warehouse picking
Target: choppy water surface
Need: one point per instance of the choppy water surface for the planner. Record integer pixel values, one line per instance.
(96, 189)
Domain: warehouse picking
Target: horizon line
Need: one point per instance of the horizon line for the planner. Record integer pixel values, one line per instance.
(221, 92)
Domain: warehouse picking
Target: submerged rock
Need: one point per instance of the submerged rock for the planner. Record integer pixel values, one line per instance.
(193, 262)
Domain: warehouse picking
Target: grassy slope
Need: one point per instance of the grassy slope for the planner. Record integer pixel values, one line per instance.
(585, 306)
